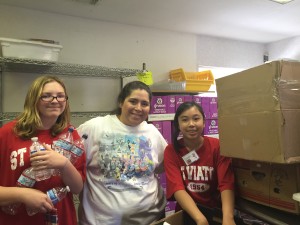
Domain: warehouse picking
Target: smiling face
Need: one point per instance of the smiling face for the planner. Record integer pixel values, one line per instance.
(135, 108)
(51, 110)
(191, 124)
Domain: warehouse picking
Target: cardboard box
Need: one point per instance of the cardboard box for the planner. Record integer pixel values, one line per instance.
(259, 111)
(174, 219)
(213, 215)
(269, 184)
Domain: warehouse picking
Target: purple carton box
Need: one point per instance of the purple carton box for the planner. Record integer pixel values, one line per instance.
(158, 105)
(158, 125)
(179, 100)
(213, 108)
(197, 99)
(205, 106)
(162, 178)
(211, 127)
(171, 104)
(183, 98)
(167, 131)
(170, 207)
(188, 98)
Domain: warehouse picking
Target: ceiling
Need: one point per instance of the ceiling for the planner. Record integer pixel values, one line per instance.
(260, 21)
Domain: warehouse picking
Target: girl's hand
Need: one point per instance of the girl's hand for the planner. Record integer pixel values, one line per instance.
(35, 200)
(48, 159)
(202, 221)
(228, 221)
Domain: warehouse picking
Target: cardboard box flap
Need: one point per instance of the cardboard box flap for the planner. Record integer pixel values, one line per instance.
(289, 85)
(268, 87)
(251, 90)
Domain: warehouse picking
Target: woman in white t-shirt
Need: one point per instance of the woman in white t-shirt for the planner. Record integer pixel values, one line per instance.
(124, 153)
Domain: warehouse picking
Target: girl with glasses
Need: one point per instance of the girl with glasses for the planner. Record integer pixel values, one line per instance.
(46, 115)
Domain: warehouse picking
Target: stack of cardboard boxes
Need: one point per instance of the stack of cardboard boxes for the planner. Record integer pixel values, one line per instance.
(259, 127)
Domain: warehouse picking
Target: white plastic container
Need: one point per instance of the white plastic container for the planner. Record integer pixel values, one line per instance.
(29, 49)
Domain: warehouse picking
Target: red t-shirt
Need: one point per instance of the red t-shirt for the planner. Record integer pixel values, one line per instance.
(14, 158)
(203, 179)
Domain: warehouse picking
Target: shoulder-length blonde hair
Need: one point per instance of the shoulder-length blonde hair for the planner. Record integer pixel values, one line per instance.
(29, 121)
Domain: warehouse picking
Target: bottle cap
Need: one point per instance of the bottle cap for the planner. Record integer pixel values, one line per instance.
(71, 129)
(68, 189)
(34, 138)
(296, 196)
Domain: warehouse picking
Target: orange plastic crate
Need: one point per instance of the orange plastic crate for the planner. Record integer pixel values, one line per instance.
(195, 81)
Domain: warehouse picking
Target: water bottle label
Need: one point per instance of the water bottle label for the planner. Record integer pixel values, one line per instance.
(36, 148)
(53, 196)
(32, 151)
(26, 181)
(64, 144)
(51, 219)
(77, 151)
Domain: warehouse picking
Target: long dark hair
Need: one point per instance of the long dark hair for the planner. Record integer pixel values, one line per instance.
(181, 109)
(127, 90)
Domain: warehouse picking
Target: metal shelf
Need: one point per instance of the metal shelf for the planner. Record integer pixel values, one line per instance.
(9, 64)
(49, 67)
(9, 116)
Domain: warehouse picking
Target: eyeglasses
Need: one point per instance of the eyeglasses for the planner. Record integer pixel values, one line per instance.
(49, 98)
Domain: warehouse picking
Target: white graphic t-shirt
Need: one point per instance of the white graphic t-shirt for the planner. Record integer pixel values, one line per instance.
(121, 185)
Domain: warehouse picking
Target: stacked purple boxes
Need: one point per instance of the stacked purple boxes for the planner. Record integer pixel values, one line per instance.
(167, 105)
(163, 105)
(210, 108)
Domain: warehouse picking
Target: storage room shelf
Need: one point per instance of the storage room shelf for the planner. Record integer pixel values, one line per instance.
(9, 64)
(8, 116)
(161, 117)
(168, 92)
(174, 87)
(49, 67)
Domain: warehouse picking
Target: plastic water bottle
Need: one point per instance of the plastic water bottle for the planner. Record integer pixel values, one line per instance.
(11, 209)
(64, 143)
(78, 148)
(27, 179)
(35, 147)
(51, 218)
(57, 194)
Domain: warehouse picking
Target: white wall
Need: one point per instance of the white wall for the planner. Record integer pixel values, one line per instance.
(219, 52)
(287, 48)
(114, 45)
(94, 43)
(100, 43)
